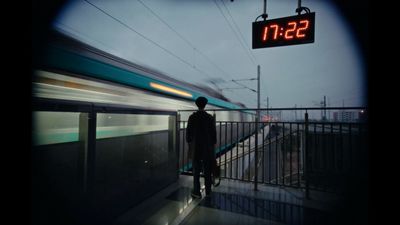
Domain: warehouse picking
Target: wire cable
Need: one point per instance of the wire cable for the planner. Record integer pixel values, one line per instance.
(244, 86)
(187, 42)
(239, 31)
(233, 30)
(148, 39)
(153, 42)
(182, 37)
(64, 28)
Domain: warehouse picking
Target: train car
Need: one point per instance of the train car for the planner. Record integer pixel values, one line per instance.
(74, 71)
(104, 131)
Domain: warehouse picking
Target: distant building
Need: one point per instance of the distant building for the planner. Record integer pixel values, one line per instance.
(345, 116)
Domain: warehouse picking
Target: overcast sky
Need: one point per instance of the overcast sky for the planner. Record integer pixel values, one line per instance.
(198, 41)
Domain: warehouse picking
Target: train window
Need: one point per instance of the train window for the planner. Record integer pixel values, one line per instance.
(117, 125)
(54, 127)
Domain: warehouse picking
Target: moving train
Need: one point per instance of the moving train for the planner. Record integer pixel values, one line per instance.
(74, 71)
(104, 132)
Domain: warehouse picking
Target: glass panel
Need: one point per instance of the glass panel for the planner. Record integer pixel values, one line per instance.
(57, 158)
(118, 125)
(135, 157)
(54, 127)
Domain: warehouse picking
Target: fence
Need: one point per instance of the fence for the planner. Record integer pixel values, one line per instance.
(316, 151)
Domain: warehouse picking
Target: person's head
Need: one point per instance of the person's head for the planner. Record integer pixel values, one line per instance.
(201, 102)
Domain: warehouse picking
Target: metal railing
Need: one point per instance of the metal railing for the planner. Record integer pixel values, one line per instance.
(315, 152)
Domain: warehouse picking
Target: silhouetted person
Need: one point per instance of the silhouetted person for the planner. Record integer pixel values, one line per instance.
(202, 137)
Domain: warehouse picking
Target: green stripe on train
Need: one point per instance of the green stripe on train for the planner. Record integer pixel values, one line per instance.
(63, 59)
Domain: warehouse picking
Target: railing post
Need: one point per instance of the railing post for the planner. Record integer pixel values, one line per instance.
(306, 175)
(174, 132)
(257, 121)
(215, 122)
(255, 156)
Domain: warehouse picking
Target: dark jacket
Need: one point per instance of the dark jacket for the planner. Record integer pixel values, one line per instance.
(201, 135)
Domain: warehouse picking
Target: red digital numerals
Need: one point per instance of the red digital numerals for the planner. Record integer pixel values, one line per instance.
(292, 30)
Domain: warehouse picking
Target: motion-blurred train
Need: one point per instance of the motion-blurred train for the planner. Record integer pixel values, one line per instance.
(74, 71)
(105, 132)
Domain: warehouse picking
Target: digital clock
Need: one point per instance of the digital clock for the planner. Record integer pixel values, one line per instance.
(290, 30)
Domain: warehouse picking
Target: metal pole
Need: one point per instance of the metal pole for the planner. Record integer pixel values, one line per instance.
(306, 156)
(256, 137)
(298, 7)
(258, 92)
(265, 6)
(268, 108)
(324, 108)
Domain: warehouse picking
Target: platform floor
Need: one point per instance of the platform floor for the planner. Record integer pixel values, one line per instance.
(233, 202)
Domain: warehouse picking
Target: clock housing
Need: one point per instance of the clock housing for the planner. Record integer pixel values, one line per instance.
(283, 31)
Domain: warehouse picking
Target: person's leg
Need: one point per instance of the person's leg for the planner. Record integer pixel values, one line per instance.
(196, 178)
(207, 176)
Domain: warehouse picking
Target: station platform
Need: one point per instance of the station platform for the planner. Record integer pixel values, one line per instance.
(233, 202)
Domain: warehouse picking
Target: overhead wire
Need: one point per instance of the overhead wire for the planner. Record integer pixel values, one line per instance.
(244, 86)
(239, 31)
(148, 39)
(185, 39)
(66, 27)
(182, 37)
(234, 32)
(248, 52)
(151, 41)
